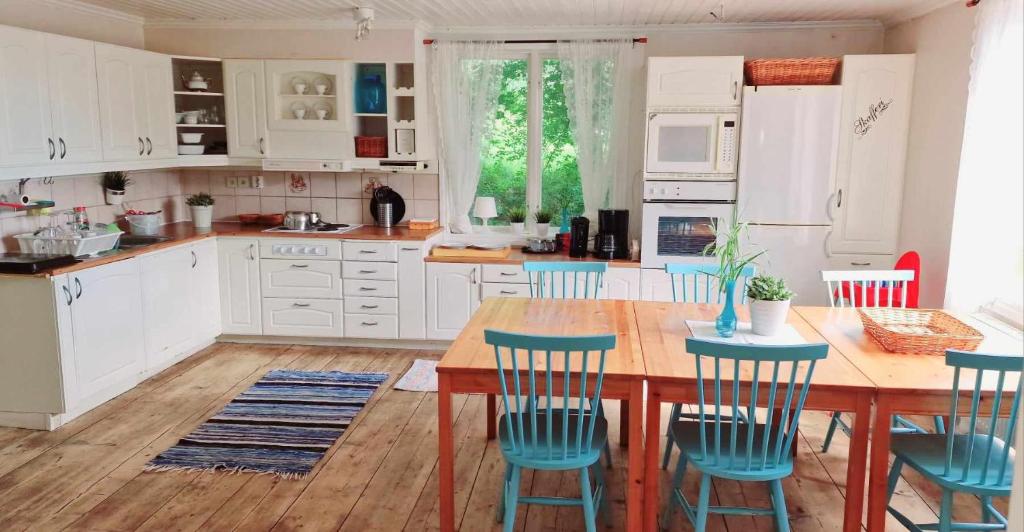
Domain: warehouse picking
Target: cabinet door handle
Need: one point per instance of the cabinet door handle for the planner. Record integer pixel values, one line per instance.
(367, 289)
(370, 323)
(367, 271)
(300, 265)
(369, 306)
(195, 260)
(367, 252)
(142, 147)
(53, 149)
(67, 293)
(860, 264)
(63, 147)
(839, 201)
(300, 305)
(262, 151)
(735, 89)
(251, 256)
(509, 274)
(472, 276)
(508, 292)
(410, 249)
(149, 146)
(78, 284)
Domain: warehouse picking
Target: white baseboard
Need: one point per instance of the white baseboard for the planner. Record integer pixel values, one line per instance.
(341, 342)
(31, 420)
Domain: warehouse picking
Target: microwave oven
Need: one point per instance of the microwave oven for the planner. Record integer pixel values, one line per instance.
(691, 145)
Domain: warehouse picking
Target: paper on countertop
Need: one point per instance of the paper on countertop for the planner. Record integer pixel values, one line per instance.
(705, 330)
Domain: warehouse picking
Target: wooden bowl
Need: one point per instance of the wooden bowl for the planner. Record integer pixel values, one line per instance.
(272, 219)
(249, 218)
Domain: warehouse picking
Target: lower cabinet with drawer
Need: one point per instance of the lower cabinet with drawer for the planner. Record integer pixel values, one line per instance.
(303, 317)
(371, 286)
(504, 290)
(371, 325)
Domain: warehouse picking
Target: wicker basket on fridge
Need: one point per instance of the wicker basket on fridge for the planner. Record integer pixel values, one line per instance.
(371, 146)
(931, 332)
(798, 71)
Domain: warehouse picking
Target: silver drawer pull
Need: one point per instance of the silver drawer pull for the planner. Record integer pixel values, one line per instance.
(367, 271)
(369, 306)
(367, 252)
(509, 274)
(508, 292)
(370, 323)
(860, 264)
(410, 249)
(300, 265)
(366, 289)
(300, 305)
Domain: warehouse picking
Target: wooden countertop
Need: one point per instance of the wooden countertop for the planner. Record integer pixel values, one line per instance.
(185, 232)
(517, 256)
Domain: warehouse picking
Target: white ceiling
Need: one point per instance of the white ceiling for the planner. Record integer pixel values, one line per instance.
(524, 13)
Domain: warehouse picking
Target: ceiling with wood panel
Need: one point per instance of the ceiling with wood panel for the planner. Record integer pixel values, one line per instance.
(526, 13)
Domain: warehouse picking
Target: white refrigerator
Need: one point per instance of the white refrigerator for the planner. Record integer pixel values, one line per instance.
(786, 178)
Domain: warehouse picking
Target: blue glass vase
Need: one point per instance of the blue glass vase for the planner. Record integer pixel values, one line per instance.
(725, 324)
(371, 95)
(565, 221)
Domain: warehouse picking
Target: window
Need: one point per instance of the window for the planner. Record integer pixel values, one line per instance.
(552, 180)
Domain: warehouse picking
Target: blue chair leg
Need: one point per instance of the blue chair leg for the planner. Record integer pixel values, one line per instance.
(607, 445)
(677, 484)
(512, 499)
(940, 425)
(831, 431)
(779, 505)
(677, 409)
(589, 515)
(986, 515)
(703, 503)
(599, 487)
(894, 477)
(946, 511)
(500, 514)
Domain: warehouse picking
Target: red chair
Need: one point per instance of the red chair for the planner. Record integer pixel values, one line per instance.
(908, 261)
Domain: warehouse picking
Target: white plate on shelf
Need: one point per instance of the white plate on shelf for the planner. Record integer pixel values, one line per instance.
(191, 149)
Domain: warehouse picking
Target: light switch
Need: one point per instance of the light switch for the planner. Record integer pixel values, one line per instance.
(257, 181)
(231, 182)
(243, 182)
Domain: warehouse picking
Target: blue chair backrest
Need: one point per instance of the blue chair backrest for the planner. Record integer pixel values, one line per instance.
(544, 361)
(565, 280)
(770, 448)
(698, 283)
(979, 455)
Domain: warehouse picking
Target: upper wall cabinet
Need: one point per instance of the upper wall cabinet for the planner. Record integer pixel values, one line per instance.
(246, 99)
(135, 102)
(308, 109)
(48, 111)
(872, 152)
(694, 81)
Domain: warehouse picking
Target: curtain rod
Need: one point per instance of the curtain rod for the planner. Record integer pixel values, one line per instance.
(638, 40)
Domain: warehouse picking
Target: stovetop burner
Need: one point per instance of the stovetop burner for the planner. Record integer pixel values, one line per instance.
(322, 228)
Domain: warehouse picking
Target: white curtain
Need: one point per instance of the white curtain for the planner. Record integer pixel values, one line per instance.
(597, 80)
(466, 81)
(987, 247)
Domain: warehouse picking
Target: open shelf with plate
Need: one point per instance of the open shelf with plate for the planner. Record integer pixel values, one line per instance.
(199, 106)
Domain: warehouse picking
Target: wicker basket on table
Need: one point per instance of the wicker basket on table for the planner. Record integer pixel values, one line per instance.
(800, 71)
(932, 332)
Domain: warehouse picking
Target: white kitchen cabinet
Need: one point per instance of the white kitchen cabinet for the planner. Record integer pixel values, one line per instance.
(205, 290)
(136, 105)
(303, 317)
(319, 279)
(239, 274)
(872, 153)
(25, 127)
(167, 312)
(504, 290)
(246, 100)
(74, 101)
(861, 262)
(412, 322)
(694, 81)
(308, 137)
(161, 134)
(453, 295)
(371, 326)
(621, 283)
(655, 285)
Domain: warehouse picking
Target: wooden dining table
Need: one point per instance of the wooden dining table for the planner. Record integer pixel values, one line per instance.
(905, 383)
(672, 378)
(469, 366)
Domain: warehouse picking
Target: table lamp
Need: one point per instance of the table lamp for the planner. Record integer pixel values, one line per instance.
(485, 208)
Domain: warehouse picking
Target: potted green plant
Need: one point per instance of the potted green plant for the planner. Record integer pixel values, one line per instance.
(731, 262)
(202, 209)
(769, 304)
(517, 217)
(543, 219)
(114, 186)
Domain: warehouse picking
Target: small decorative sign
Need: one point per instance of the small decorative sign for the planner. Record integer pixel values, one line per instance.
(864, 124)
(298, 182)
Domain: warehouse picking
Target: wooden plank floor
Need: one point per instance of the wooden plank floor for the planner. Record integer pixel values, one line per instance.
(379, 476)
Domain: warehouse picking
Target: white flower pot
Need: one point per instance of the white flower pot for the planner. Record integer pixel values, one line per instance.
(543, 230)
(767, 317)
(202, 216)
(113, 197)
(518, 227)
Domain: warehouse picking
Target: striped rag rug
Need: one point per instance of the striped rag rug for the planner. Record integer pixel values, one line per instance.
(282, 425)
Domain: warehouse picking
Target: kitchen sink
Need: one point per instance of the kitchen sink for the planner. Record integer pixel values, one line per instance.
(139, 241)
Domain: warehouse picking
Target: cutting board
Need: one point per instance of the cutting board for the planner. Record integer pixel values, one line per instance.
(472, 253)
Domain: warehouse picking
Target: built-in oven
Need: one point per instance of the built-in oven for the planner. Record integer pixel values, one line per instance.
(680, 220)
(696, 144)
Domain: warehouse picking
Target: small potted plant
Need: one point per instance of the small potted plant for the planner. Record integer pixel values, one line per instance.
(769, 304)
(517, 217)
(114, 186)
(543, 220)
(202, 209)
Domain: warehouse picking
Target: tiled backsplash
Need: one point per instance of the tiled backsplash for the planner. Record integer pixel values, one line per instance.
(337, 197)
(151, 190)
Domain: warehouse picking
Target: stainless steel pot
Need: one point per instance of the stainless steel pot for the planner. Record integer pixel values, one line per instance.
(296, 220)
(314, 218)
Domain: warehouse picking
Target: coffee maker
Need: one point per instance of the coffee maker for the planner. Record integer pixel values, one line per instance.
(579, 235)
(612, 240)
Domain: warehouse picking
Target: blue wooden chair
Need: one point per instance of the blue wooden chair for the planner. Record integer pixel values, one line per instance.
(552, 438)
(697, 283)
(565, 280)
(976, 462)
(865, 288)
(736, 450)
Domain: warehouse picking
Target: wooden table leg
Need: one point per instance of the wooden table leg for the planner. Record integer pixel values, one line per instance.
(624, 423)
(651, 455)
(492, 416)
(881, 436)
(446, 453)
(635, 486)
(857, 464)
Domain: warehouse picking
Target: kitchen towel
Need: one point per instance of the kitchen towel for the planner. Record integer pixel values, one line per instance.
(421, 377)
(705, 330)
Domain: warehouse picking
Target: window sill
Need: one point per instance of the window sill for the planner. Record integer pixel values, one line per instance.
(502, 234)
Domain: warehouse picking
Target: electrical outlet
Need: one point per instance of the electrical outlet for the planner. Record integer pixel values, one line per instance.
(231, 182)
(243, 182)
(257, 181)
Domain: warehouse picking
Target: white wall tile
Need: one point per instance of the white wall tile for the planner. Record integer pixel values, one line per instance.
(272, 205)
(350, 211)
(88, 190)
(218, 184)
(322, 185)
(247, 204)
(426, 186)
(424, 209)
(273, 184)
(297, 204)
(63, 192)
(402, 184)
(327, 207)
(349, 184)
(224, 208)
(196, 181)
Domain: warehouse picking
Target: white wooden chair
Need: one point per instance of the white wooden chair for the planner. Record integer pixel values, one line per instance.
(870, 288)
